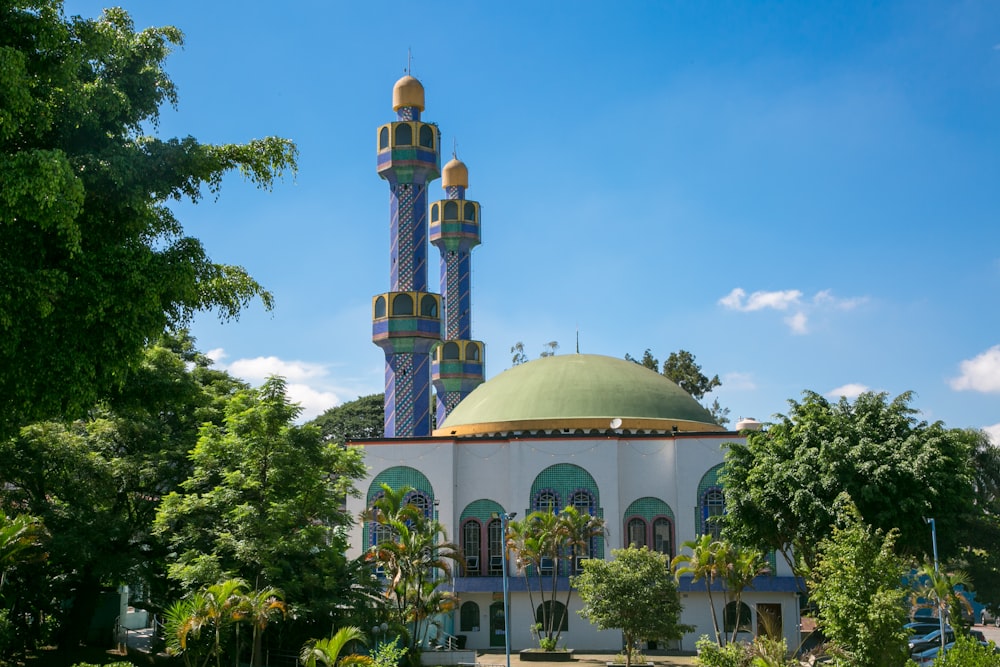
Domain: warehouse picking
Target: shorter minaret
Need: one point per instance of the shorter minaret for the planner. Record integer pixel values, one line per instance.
(457, 363)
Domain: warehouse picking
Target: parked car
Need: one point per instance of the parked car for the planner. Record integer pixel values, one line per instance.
(931, 640)
(921, 628)
(987, 617)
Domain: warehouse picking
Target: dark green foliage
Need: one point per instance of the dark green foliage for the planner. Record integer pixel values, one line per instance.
(682, 369)
(95, 265)
(781, 484)
(360, 419)
(967, 652)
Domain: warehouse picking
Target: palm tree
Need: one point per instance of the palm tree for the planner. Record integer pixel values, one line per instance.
(576, 530)
(17, 535)
(739, 566)
(183, 629)
(327, 651)
(219, 604)
(701, 563)
(415, 560)
(259, 608)
(937, 588)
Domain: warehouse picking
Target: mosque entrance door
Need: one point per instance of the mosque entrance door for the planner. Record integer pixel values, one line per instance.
(498, 627)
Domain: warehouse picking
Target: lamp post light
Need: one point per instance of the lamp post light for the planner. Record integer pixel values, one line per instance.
(505, 518)
(379, 630)
(934, 545)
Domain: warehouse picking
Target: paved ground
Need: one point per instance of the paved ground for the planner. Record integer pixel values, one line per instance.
(579, 660)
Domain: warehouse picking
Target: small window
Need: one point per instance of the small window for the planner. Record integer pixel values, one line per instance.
(636, 532)
(546, 565)
(451, 210)
(663, 536)
(472, 352)
(743, 623)
(470, 211)
(713, 506)
(426, 136)
(434, 213)
(450, 350)
(471, 545)
(494, 545)
(383, 138)
(547, 501)
(404, 135)
(402, 304)
(421, 501)
(556, 611)
(428, 306)
(380, 307)
(582, 502)
(469, 616)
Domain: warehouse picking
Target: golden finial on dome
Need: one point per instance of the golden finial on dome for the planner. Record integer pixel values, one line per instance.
(455, 173)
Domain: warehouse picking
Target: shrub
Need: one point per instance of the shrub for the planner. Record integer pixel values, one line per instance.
(967, 652)
(711, 654)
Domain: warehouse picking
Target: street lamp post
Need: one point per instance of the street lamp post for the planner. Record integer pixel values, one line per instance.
(504, 520)
(934, 545)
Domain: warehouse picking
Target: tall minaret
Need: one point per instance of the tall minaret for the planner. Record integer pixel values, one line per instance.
(457, 366)
(406, 322)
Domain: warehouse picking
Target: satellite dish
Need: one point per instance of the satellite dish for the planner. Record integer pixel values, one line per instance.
(616, 422)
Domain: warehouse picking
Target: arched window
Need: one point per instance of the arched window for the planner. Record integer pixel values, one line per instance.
(546, 500)
(404, 135)
(428, 306)
(582, 502)
(741, 623)
(426, 136)
(383, 533)
(434, 213)
(421, 501)
(469, 617)
(383, 138)
(663, 536)
(557, 611)
(451, 210)
(472, 533)
(472, 352)
(380, 307)
(402, 304)
(713, 504)
(494, 546)
(450, 350)
(635, 532)
(470, 211)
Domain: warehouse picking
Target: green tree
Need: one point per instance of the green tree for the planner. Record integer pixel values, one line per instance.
(96, 483)
(702, 563)
(781, 484)
(550, 349)
(856, 586)
(967, 652)
(264, 503)
(648, 360)
(259, 608)
(518, 356)
(686, 373)
(360, 419)
(95, 263)
(634, 593)
(18, 537)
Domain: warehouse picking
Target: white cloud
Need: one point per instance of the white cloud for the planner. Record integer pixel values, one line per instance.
(259, 368)
(981, 373)
(738, 382)
(994, 433)
(797, 323)
(850, 390)
(779, 300)
(784, 300)
(308, 384)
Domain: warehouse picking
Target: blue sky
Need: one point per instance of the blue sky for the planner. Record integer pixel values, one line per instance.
(804, 195)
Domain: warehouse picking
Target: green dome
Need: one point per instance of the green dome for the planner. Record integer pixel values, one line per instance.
(577, 391)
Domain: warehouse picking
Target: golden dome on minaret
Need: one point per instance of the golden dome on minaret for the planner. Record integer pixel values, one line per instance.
(455, 173)
(408, 92)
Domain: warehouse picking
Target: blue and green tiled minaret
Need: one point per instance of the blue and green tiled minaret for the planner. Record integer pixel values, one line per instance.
(406, 321)
(457, 364)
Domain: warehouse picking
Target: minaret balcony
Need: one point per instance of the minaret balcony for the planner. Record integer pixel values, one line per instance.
(454, 219)
(401, 315)
(458, 359)
(408, 145)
